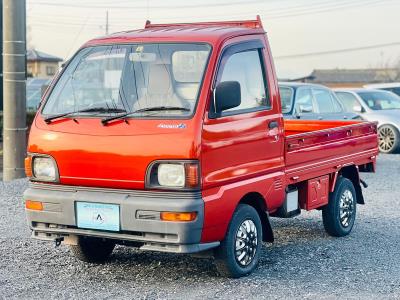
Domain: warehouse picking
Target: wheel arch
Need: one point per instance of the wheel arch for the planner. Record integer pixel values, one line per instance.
(352, 173)
(258, 202)
(386, 123)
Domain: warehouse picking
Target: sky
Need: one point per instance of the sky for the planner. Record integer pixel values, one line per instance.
(304, 34)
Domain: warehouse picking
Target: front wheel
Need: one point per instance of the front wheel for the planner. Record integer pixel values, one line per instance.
(340, 213)
(93, 250)
(239, 252)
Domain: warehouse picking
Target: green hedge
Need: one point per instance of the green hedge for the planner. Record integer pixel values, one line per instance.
(29, 119)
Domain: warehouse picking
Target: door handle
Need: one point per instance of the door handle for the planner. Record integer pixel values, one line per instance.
(273, 124)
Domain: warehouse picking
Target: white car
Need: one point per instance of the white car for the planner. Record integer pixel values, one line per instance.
(391, 87)
(376, 105)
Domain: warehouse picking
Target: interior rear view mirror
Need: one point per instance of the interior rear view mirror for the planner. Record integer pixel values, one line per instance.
(227, 95)
(142, 57)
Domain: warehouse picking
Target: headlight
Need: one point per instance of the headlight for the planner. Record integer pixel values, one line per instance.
(44, 169)
(173, 175)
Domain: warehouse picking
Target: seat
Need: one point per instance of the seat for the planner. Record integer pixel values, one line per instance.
(160, 91)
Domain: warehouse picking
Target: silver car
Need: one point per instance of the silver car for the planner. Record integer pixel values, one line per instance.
(391, 87)
(376, 105)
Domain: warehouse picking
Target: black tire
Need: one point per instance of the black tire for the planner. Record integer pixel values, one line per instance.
(389, 139)
(226, 256)
(340, 221)
(93, 250)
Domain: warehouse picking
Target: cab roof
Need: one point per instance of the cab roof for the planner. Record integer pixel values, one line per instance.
(207, 32)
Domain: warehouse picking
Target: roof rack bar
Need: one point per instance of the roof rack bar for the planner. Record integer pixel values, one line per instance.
(245, 23)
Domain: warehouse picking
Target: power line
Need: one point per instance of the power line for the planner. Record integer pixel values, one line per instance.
(282, 9)
(77, 36)
(376, 46)
(91, 6)
(271, 14)
(333, 8)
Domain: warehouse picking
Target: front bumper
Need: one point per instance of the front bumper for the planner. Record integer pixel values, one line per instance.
(58, 217)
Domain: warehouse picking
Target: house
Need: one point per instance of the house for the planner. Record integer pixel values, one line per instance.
(351, 78)
(42, 65)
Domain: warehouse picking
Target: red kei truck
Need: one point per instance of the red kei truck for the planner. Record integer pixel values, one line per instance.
(171, 138)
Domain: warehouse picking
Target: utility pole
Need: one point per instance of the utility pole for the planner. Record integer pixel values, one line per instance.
(107, 22)
(14, 94)
(1, 60)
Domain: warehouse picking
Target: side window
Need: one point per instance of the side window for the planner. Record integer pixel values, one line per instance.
(348, 100)
(245, 68)
(396, 90)
(324, 101)
(304, 101)
(286, 94)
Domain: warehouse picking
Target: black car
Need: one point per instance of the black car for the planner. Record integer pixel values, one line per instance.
(311, 102)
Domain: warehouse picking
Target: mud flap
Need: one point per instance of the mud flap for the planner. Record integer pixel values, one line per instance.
(268, 234)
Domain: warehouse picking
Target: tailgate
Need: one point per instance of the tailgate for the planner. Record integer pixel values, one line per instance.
(310, 154)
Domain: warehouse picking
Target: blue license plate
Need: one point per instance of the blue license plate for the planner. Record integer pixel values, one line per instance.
(97, 216)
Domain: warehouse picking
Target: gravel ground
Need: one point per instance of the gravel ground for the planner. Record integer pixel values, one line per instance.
(304, 262)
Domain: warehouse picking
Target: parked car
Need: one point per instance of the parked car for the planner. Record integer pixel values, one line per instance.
(393, 87)
(171, 138)
(35, 88)
(376, 105)
(311, 102)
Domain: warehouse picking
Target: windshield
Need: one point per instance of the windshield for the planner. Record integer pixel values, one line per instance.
(380, 100)
(286, 98)
(130, 78)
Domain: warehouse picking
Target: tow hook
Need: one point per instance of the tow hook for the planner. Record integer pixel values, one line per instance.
(364, 184)
(58, 240)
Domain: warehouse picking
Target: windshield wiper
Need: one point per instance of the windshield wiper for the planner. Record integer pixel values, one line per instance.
(92, 109)
(155, 108)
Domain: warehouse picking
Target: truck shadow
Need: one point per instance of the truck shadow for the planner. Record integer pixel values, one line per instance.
(291, 238)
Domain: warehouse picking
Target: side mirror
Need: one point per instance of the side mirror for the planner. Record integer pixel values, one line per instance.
(358, 109)
(227, 95)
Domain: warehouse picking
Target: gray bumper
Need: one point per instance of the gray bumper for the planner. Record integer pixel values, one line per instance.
(57, 219)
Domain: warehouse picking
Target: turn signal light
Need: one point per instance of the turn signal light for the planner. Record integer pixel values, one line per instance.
(178, 216)
(33, 205)
(192, 175)
(28, 166)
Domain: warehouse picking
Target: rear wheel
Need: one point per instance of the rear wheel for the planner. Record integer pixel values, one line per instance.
(389, 139)
(93, 250)
(239, 253)
(340, 213)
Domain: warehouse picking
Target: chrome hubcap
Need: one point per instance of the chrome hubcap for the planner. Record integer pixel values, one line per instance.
(246, 242)
(346, 208)
(386, 138)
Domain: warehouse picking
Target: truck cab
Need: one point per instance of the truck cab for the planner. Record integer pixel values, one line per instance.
(171, 138)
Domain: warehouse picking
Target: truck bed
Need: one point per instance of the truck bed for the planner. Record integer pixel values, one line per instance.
(315, 148)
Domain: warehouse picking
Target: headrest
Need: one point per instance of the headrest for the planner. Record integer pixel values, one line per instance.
(159, 80)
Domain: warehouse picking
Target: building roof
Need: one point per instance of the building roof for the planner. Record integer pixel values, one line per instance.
(34, 55)
(208, 32)
(353, 76)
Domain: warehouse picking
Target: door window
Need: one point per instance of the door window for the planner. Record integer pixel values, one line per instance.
(245, 68)
(304, 101)
(286, 94)
(325, 101)
(348, 100)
